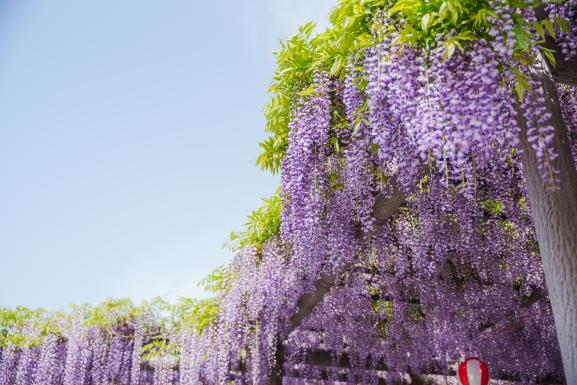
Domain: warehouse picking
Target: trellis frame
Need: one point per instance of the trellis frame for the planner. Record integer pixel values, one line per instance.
(554, 214)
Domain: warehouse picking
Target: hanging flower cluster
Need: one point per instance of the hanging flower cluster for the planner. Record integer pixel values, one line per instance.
(80, 355)
(567, 37)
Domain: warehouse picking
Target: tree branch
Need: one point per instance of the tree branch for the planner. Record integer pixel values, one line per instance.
(383, 208)
(565, 71)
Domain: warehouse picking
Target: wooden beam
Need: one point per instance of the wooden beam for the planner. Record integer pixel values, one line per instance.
(400, 379)
(386, 206)
(309, 301)
(383, 208)
(319, 357)
(324, 358)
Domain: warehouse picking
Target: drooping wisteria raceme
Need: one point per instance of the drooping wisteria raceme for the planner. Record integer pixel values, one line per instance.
(126, 348)
(456, 270)
(567, 38)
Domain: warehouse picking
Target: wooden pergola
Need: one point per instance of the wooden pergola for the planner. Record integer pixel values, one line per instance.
(551, 209)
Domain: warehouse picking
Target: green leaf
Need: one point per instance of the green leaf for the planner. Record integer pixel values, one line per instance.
(426, 21)
(481, 17)
(467, 35)
(549, 27)
(309, 91)
(451, 9)
(404, 6)
(540, 30)
(522, 84)
(563, 24)
(449, 49)
(335, 144)
(549, 55)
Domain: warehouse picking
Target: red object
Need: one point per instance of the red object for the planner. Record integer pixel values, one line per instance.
(473, 371)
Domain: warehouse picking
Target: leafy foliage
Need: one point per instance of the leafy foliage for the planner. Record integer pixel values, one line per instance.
(300, 57)
(18, 319)
(197, 314)
(262, 225)
(422, 24)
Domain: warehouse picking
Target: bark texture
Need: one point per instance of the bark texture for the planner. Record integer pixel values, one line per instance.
(555, 217)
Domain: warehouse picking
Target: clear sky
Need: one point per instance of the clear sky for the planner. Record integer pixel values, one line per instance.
(128, 135)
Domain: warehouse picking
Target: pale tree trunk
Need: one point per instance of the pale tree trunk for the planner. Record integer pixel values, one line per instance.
(555, 217)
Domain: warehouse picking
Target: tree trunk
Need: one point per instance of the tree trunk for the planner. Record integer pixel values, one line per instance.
(555, 217)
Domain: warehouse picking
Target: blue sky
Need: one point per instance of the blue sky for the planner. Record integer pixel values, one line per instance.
(128, 135)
